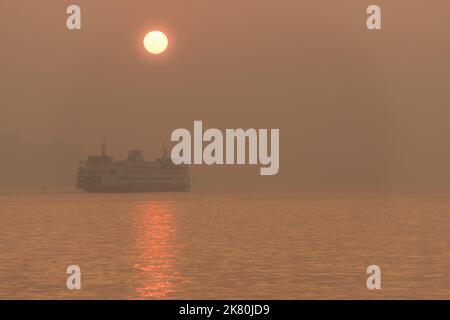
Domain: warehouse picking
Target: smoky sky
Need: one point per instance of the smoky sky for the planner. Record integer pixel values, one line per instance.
(356, 109)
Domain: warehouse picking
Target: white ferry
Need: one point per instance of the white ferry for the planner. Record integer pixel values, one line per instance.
(104, 174)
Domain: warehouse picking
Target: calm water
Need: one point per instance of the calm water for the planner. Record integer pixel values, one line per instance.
(190, 245)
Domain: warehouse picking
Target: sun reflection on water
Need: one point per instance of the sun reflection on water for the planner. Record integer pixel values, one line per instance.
(157, 248)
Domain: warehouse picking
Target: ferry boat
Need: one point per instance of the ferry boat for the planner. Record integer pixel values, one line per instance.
(104, 174)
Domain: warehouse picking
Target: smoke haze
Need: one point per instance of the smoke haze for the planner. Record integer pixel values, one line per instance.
(356, 109)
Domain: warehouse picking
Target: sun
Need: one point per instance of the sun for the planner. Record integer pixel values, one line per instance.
(156, 42)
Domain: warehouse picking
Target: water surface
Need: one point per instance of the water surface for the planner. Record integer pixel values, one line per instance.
(215, 246)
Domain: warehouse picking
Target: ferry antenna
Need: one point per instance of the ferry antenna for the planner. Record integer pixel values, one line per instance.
(104, 147)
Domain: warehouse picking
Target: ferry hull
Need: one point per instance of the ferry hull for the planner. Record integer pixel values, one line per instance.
(136, 188)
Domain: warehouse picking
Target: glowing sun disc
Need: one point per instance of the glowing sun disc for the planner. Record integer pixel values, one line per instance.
(156, 42)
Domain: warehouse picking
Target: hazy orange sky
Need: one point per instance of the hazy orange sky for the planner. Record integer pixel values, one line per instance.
(357, 109)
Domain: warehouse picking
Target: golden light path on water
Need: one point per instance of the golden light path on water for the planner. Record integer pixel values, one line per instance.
(156, 247)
